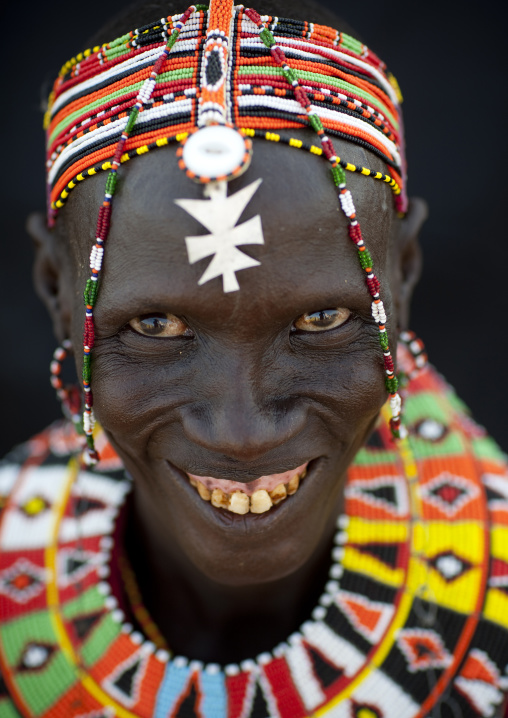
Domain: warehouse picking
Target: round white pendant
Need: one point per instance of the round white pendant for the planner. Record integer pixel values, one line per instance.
(216, 152)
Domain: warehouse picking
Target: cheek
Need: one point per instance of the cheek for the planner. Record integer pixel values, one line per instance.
(143, 402)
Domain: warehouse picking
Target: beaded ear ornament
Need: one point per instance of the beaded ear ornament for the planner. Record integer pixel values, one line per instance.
(233, 75)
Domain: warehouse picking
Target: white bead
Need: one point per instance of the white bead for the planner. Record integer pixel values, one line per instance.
(336, 571)
(263, 659)
(162, 655)
(212, 669)
(248, 666)
(111, 603)
(214, 151)
(319, 613)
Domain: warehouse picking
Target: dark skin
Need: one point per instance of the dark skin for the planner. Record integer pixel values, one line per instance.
(241, 394)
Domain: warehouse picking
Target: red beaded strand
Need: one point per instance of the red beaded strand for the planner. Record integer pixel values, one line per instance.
(348, 208)
(90, 456)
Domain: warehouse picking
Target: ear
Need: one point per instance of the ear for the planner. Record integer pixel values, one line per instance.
(406, 260)
(51, 282)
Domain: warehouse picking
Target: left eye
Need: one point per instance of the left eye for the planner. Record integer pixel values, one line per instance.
(160, 325)
(322, 320)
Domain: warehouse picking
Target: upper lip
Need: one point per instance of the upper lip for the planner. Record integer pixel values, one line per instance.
(241, 475)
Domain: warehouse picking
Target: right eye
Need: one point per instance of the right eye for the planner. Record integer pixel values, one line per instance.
(161, 326)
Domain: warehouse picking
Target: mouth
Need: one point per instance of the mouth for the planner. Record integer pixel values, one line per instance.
(255, 497)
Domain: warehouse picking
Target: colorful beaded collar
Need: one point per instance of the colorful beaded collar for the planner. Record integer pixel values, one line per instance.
(415, 608)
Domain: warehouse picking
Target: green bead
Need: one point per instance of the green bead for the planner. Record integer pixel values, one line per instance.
(90, 442)
(339, 176)
(392, 385)
(383, 340)
(316, 123)
(267, 37)
(132, 119)
(172, 39)
(111, 183)
(365, 259)
(90, 293)
(86, 373)
(290, 75)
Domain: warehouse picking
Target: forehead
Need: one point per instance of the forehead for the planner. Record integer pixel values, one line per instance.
(305, 232)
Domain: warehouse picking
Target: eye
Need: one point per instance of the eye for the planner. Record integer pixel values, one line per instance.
(160, 326)
(323, 320)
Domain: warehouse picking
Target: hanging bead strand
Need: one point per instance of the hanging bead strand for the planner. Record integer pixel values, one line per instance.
(90, 455)
(348, 208)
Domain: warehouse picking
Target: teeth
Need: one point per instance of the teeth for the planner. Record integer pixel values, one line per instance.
(203, 491)
(219, 499)
(278, 494)
(260, 502)
(293, 485)
(240, 503)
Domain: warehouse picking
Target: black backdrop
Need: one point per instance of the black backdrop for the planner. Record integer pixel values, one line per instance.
(452, 69)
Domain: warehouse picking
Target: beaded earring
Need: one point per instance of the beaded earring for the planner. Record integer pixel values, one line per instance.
(68, 395)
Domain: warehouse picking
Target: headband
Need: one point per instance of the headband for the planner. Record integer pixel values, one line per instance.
(350, 90)
(211, 79)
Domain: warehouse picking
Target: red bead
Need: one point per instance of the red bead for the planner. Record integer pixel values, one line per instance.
(373, 285)
(355, 233)
(328, 149)
(278, 55)
(254, 16)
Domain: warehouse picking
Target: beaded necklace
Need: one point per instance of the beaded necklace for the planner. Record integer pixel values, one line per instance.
(414, 611)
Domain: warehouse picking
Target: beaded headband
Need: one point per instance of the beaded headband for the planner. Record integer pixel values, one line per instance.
(212, 79)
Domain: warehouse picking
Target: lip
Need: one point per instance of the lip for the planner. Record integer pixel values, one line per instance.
(268, 482)
(220, 517)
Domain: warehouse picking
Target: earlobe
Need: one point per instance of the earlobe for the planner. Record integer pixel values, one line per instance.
(407, 263)
(48, 274)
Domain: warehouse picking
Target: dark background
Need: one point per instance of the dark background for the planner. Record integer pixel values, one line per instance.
(451, 66)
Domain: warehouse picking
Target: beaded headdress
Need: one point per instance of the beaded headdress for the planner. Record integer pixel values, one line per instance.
(211, 79)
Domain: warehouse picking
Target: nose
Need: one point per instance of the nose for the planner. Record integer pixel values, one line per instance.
(241, 420)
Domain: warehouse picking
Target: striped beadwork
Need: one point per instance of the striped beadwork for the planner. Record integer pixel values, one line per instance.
(353, 95)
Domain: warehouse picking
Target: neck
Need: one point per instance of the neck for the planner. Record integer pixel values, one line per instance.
(210, 621)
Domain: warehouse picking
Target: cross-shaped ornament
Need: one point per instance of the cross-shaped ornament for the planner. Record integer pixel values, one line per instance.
(219, 215)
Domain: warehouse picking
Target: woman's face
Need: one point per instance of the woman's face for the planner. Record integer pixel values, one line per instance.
(246, 384)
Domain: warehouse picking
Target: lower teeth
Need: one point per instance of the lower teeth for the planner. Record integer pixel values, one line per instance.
(240, 503)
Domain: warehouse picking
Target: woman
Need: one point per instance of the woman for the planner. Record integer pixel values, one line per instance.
(242, 361)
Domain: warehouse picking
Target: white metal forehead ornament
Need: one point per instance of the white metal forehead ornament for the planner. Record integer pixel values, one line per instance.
(213, 156)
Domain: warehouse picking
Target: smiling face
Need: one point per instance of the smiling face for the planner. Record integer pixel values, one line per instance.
(281, 377)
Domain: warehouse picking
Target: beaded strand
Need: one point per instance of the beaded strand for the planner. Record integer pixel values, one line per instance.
(348, 208)
(68, 395)
(248, 132)
(90, 455)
